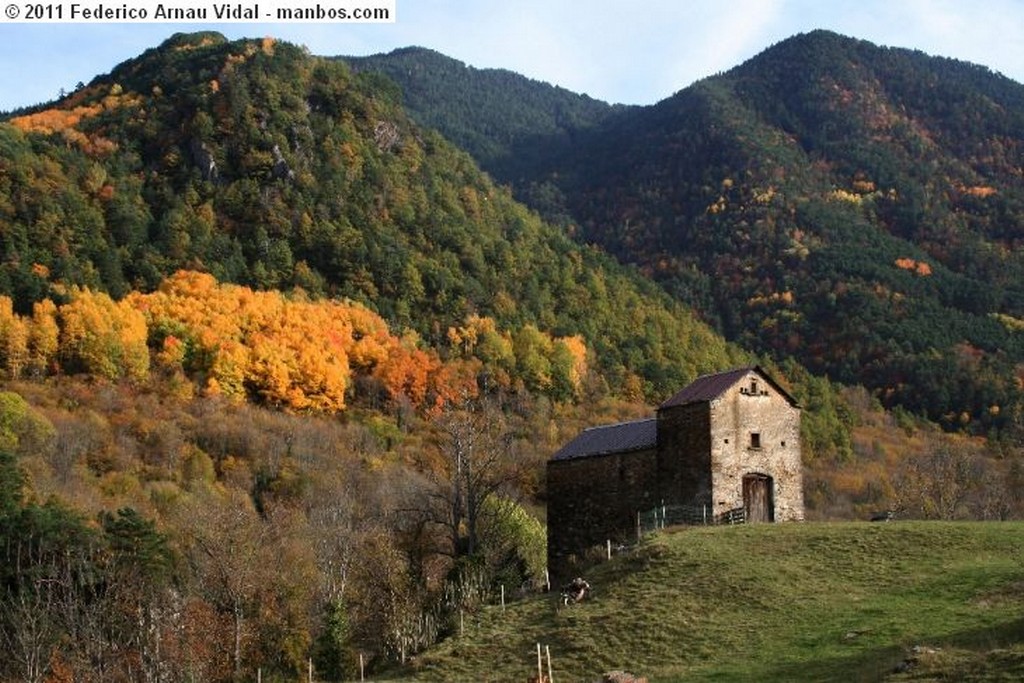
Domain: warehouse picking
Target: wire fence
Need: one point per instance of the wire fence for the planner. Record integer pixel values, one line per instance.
(685, 515)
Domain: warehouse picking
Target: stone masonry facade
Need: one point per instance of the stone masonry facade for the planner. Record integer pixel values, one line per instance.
(598, 497)
(755, 429)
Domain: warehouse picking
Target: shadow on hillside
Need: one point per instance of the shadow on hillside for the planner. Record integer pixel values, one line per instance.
(881, 663)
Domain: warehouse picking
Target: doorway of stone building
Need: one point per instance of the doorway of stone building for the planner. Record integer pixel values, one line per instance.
(758, 498)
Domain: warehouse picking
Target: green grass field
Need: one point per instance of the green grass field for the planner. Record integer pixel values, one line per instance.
(786, 602)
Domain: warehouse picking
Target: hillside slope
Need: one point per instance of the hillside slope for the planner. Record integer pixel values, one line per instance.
(810, 602)
(268, 167)
(860, 209)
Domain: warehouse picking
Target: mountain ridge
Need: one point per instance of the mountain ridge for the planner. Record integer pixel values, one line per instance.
(792, 199)
(531, 111)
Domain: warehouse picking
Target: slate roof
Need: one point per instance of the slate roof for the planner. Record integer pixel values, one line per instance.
(710, 387)
(616, 438)
(707, 387)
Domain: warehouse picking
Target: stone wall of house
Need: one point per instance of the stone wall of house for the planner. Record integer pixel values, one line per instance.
(684, 450)
(594, 499)
(756, 430)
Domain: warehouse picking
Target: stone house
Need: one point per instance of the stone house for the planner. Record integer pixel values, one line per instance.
(728, 441)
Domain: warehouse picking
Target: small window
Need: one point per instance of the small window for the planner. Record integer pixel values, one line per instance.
(783, 444)
(753, 387)
(755, 439)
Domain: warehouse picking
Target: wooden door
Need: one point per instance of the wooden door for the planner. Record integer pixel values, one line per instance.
(758, 501)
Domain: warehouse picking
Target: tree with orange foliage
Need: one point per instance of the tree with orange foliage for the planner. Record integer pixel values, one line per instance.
(453, 382)
(289, 353)
(406, 371)
(917, 267)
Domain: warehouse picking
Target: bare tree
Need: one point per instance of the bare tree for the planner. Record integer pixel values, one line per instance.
(994, 499)
(478, 460)
(334, 527)
(940, 484)
(384, 600)
(28, 630)
(228, 554)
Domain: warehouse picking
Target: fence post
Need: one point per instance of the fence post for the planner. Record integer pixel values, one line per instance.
(639, 530)
(551, 678)
(540, 665)
(609, 543)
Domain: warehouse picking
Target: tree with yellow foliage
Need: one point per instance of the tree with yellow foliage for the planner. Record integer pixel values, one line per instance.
(13, 339)
(43, 338)
(289, 353)
(568, 366)
(103, 337)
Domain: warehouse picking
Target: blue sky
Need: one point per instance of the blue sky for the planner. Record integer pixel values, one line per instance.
(635, 52)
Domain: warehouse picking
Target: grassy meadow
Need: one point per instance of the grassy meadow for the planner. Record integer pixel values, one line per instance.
(788, 602)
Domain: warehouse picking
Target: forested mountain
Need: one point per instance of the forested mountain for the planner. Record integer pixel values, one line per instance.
(271, 168)
(507, 122)
(858, 208)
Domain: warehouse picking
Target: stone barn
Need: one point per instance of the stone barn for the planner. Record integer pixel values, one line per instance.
(726, 442)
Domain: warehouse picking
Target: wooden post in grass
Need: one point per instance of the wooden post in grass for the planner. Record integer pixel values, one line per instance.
(502, 597)
(540, 665)
(551, 679)
(639, 528)
(609, 543)
(361, 672)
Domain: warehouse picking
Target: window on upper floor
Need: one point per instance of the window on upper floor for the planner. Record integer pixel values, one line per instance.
(755, 439)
